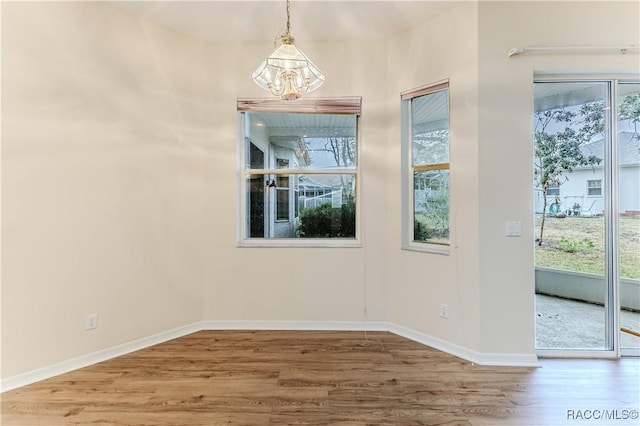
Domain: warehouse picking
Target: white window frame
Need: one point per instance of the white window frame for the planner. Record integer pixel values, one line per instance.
(280, 188)
(339, 105)
(407, 183)
(555, 189)
(594, 187)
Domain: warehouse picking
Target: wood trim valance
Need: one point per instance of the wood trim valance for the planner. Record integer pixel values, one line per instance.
(343, 105)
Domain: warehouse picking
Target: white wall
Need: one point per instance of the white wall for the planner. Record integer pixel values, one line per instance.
(310, 284)
(629, 193)
(488, 280)
(505, 139)
(119, 178)
(105, 147)
(120, 186)
(445, 47)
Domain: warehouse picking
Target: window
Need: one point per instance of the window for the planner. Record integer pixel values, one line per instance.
(553, 190)
(425, 155)
(594, 187)
(299, 174)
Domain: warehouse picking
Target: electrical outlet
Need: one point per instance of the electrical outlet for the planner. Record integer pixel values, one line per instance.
(92, 321)
(444, 310)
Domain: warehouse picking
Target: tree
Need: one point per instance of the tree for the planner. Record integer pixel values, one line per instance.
(629, 109)
(559, 152)
(343, 151)
(434, 220)
(431, 147)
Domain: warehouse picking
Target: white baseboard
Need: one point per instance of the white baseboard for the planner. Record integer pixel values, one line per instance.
(14, 382)
(433, 342)
(508, 360)
(297, 325)
(82, 361)
(497, 359)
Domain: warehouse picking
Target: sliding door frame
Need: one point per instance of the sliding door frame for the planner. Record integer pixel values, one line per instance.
(610, 185)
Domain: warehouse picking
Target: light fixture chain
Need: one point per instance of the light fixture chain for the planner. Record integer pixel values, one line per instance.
(288, 18)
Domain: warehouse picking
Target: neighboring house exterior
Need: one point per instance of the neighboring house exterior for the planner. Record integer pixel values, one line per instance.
(272, 199)
(582, 192)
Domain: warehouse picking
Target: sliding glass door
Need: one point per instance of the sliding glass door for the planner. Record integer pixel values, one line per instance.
(628, 154)
(587, 210)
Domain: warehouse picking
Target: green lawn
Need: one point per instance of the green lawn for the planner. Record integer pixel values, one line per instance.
(577, 244)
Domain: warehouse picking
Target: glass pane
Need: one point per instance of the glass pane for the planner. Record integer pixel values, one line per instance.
(430, 128)
(256, 156)
(629, 208)
(304, 141)
(431, 206)
(320, 206)
(327, 206)
(570, 254)
(255, 206)
(282, 203)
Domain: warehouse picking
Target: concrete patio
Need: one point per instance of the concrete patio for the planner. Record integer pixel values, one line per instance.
(568, 324)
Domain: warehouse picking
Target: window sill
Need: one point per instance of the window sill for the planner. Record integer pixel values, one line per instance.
(428, 248)
(311, 243)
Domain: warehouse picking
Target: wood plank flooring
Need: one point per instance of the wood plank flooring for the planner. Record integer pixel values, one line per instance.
(324, 378)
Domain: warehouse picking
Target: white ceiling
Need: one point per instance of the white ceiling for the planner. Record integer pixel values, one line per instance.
(263, 20)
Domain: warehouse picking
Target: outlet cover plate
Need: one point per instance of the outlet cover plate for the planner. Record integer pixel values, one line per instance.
(92, 322)
(444, 310)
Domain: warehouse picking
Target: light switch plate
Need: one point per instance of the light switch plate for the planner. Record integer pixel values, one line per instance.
(514, 229)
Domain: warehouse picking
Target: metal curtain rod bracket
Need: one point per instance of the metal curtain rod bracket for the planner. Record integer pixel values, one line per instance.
(522, 50)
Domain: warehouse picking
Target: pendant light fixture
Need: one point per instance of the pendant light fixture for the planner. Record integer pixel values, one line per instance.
(287, 72)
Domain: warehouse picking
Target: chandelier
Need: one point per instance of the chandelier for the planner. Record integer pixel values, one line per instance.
(287, 72)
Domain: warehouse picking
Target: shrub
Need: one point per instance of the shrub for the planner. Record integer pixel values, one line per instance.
(324, 221)
(420, 231)
(432, 223)
(435, 216)
(573, 246)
